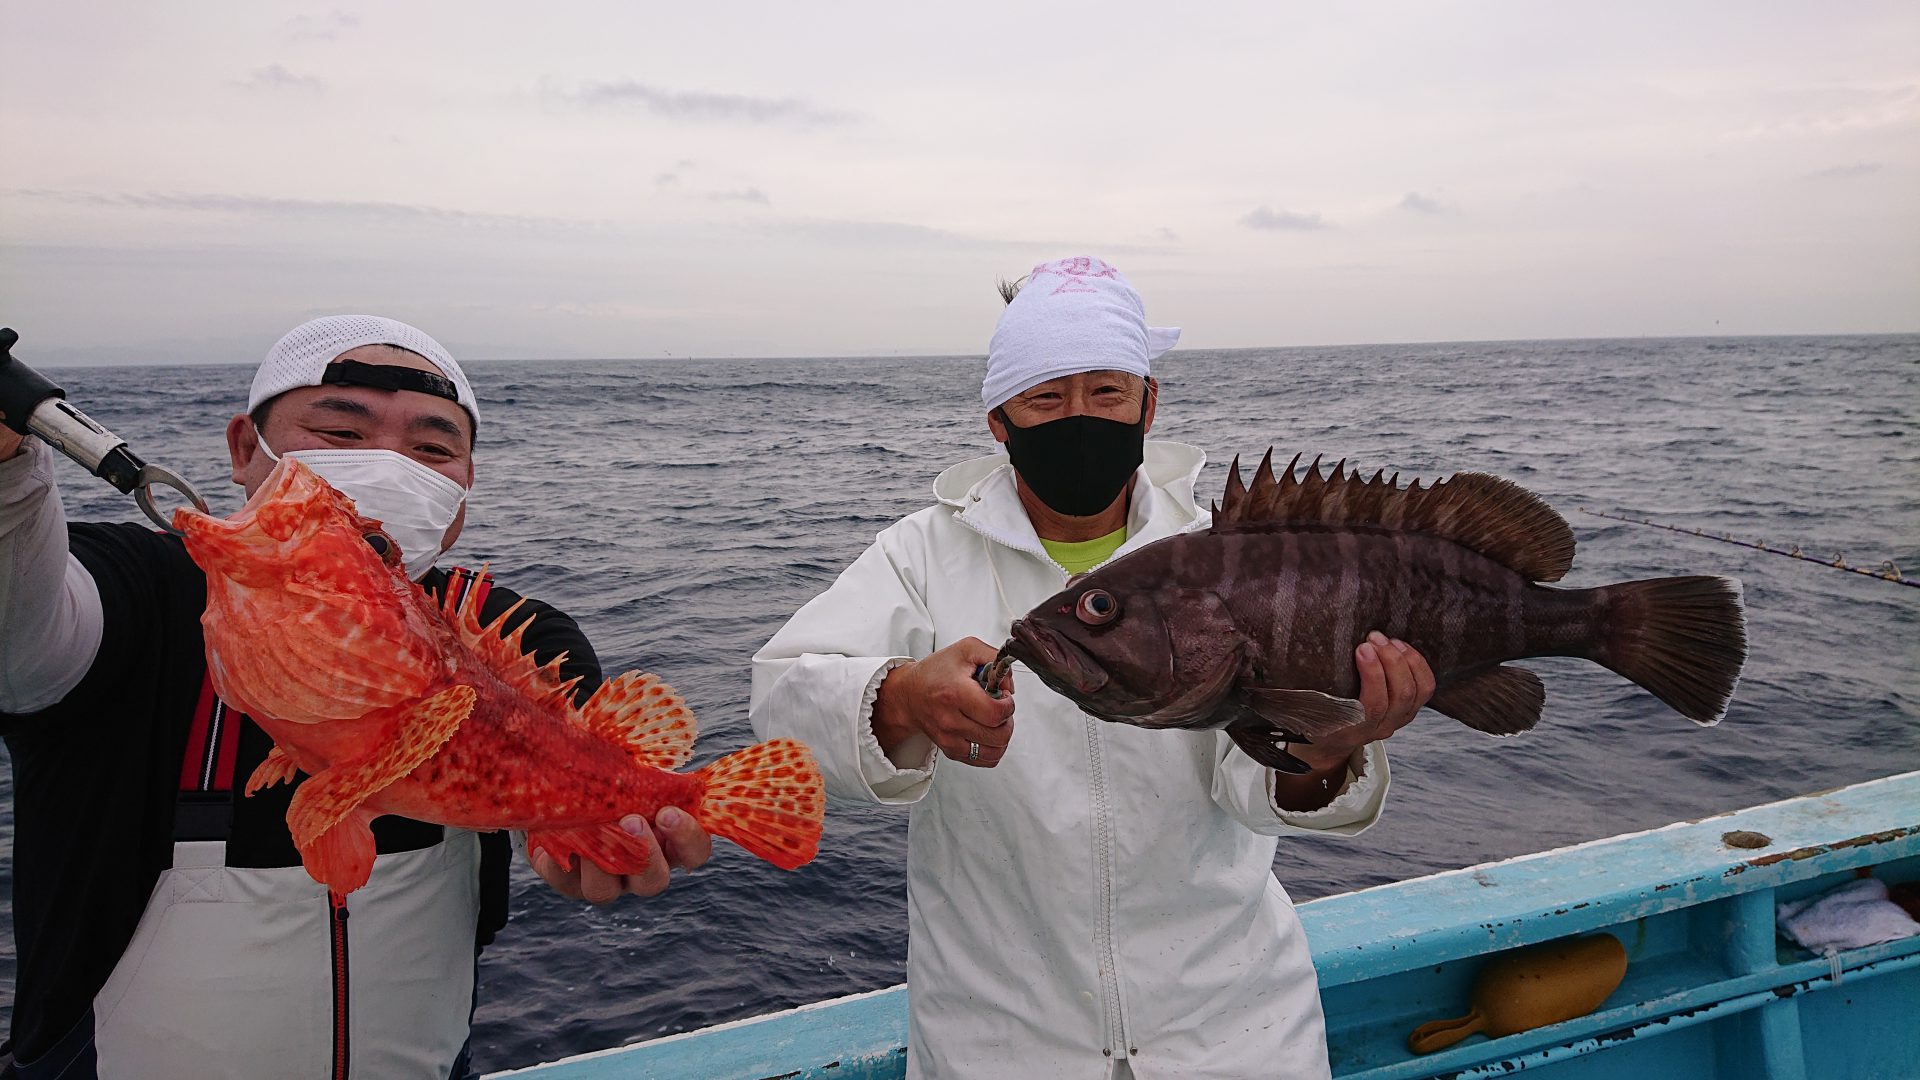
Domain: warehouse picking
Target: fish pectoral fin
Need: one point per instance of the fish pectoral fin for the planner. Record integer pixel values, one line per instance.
(342, 857)
(643, 716)
(609, 847)
(1309, 712)
(278, 768)
(324, 800)
(1499, 700)
(1266, 745)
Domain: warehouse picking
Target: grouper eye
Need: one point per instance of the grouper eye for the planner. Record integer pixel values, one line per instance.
(1097, 607)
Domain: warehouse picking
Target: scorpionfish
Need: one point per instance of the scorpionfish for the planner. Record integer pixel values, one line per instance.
(392, 703)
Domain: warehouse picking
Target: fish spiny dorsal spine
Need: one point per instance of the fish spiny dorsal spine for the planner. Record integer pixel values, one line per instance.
(1495, 517)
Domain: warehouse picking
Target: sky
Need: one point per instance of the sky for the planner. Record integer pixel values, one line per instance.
(183, 182)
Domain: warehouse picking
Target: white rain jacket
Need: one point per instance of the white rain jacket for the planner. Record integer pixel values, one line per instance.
(1107, 891)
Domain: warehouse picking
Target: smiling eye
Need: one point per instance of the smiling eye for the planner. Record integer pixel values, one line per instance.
(1097, 607)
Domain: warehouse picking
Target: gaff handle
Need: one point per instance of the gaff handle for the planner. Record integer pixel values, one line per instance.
(31, 404)
(22, 389)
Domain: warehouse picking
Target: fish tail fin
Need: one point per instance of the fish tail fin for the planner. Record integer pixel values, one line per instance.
(608, 846)
(769, 799)
(1683, 639)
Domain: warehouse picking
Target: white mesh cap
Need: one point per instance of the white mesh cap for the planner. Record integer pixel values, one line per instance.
(301, 358)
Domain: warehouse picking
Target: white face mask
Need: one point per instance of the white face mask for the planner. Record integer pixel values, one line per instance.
(414, 504)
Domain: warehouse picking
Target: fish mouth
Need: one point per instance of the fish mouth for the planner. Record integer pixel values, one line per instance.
(1059, 662)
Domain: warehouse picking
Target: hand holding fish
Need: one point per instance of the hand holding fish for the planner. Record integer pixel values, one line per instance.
(1395, 683)
(937, 699)
(674, 842)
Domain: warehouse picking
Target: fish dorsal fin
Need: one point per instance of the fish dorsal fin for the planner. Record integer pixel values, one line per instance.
(643, 716)
(505, 656)
(1495, 517)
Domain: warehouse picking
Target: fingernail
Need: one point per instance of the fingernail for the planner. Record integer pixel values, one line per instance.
(634, 825)
(1369, 654)
(1377, 638)
(1401, 645)
(670, 818)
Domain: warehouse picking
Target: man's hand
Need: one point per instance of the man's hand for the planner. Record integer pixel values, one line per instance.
(675, 842)
(937, 699)
(10, 442)
(1395, 682)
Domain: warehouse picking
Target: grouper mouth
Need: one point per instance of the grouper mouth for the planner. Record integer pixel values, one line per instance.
(1056, 660)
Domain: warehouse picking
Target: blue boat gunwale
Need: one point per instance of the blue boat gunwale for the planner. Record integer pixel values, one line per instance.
(1384, 935)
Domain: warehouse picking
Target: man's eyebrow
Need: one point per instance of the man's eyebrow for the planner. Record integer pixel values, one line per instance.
(437, 423)
(346, 406)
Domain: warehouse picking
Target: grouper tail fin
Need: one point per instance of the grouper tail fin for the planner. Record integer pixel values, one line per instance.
(1684, 639)
(769, 799)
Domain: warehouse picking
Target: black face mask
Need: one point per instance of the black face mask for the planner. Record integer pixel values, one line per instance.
(1077, 464)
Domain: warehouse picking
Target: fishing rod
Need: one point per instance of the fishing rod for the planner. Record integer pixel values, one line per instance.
(1886, 571)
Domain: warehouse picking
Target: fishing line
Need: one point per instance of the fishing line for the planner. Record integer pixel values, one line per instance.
(1886, 571)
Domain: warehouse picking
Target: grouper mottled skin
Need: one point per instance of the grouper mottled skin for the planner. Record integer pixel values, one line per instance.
(1251, 626)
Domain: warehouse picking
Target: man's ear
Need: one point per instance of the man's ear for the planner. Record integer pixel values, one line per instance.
(997, 424)
(1151, 404)
(243, 442)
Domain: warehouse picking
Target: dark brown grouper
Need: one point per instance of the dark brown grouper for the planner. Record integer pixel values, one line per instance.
(1251, 625)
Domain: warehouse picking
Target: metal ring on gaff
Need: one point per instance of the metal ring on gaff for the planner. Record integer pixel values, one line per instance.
(143, 495)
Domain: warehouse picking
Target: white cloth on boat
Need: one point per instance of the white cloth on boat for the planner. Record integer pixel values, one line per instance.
(48, 636)
(1852, 916)
(1072, 315)
(1106, 890)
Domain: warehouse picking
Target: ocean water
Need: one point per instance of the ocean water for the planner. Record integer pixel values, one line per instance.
(681, 510)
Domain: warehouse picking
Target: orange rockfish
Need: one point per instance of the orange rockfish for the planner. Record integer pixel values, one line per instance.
(394, 705)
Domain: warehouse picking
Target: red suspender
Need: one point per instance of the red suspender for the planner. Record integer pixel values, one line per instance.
(212, 743)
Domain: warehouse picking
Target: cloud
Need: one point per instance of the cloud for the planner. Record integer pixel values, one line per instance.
(323, 27)
(1266, 218)
(700, 106)
(274, 78)
(1847, 172)
(220, 203)
(1166, 234)
(746, 195)
(1420, 204)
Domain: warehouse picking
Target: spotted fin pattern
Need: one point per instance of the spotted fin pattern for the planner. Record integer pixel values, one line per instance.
(324, 800)
(768, 799)
(643, 716)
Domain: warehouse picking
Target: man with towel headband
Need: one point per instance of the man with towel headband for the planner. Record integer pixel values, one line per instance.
(166, 928)
(1093, 900)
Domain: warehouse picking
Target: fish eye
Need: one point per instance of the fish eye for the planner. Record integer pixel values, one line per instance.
(1097, 607)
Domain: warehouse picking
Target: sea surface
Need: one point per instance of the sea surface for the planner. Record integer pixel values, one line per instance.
(681, 510)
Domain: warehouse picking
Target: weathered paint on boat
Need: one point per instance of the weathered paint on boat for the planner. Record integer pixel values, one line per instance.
(1710, 992)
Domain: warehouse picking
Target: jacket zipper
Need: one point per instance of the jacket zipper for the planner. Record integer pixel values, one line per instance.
(1103, 866)
(337, 923)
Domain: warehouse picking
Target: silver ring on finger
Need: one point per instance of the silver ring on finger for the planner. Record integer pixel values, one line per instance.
(973, 751)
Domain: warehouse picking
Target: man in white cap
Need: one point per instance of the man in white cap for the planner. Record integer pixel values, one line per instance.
(1096, 900)
(166, 928)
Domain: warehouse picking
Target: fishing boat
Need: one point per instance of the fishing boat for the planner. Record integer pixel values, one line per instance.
(1710, 990)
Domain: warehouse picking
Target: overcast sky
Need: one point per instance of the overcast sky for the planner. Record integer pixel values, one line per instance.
(187, 181)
